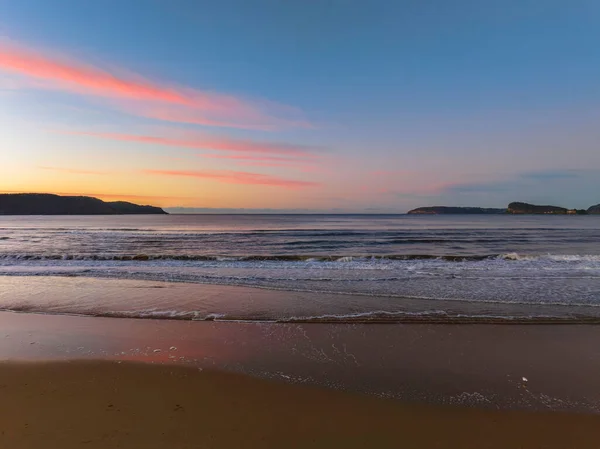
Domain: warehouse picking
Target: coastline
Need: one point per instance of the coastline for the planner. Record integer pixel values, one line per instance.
(111, 404)
(79, 295)
(473, 365)
(155, 383)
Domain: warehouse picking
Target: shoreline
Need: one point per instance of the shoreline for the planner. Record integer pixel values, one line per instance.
(106, 404)
(190, 301)
(471, 365)
(437, 362)
(450, 320)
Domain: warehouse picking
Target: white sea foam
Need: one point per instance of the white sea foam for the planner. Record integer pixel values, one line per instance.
(553, 279)
(485, 260)
(551, 257)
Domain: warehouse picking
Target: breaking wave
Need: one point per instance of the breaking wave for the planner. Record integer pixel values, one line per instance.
(535, 261)
(374, 317)
(301, 257)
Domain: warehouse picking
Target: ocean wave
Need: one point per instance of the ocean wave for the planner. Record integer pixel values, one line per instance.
(242, 258)
(509, 278)
(372, 317)
(339, 288)
(439, 317)
(551, 257)
(303, 257)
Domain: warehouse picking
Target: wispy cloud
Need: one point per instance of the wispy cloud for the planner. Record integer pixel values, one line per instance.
(295, 163)
(235, 177)
(82, 78)
(239, 115)
(137, 95)
(208, 142)
(242, 157)
(73, 171)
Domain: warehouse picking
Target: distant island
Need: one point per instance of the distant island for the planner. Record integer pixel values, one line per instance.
(525, 208)
(515, 208)
(48, 204)
(594, 209)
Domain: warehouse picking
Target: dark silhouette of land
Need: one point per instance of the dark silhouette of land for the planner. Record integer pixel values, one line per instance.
(594, 209)
(515, 208)
(526, 208)
(48, 204)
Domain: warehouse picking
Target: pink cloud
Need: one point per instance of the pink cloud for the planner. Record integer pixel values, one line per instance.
(207, 142)
(249, 158)
(244, 117)
(235, 177)
(295, 163)
(271, 164)
(80, 76)
(137, 95)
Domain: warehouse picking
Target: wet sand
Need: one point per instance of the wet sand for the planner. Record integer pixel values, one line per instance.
(467, 365)
(187, 301)
(100, 404)
(80, 381)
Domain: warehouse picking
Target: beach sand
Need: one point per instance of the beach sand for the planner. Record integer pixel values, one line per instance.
(464, 365)
(102, 404)
(89, 382)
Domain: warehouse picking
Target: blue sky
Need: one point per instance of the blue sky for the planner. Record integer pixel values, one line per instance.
(345, 105)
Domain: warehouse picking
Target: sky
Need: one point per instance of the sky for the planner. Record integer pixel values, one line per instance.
(302, 105)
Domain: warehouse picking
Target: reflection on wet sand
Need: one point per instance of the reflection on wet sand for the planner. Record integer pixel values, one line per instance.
(478, 365)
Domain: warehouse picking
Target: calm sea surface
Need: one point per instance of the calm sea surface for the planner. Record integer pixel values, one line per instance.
(505, 266)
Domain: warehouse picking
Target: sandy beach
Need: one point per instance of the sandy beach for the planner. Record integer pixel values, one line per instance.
(77, 381)
(96, 404)
(466, 365)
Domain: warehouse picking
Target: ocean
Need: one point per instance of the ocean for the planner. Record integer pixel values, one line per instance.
(333, 268)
